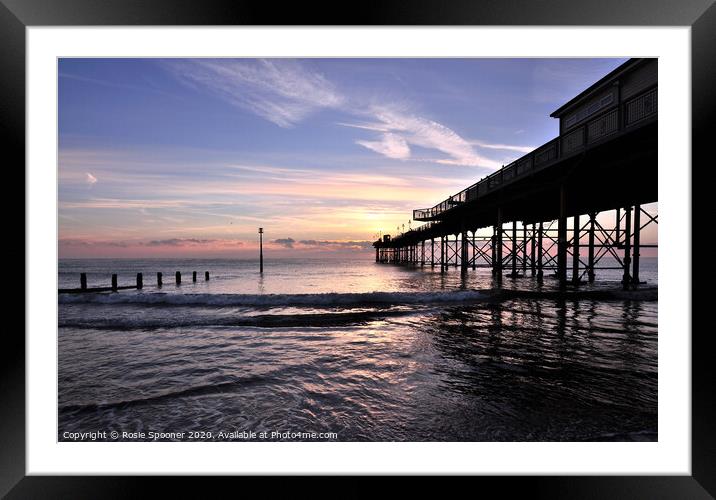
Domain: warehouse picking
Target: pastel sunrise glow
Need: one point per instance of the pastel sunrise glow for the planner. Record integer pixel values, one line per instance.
(188, 157)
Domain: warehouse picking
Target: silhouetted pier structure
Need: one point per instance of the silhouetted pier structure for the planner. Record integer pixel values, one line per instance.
(604, 159)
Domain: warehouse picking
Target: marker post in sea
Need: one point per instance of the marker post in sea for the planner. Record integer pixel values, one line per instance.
(261, 250)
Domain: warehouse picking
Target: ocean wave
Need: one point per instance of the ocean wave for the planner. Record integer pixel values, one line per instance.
(275, 300)
(200, 390)
(255, 321)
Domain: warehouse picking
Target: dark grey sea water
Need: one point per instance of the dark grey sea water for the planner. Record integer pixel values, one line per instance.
(350, 351)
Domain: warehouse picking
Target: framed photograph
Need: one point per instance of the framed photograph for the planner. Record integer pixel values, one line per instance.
(420, 241)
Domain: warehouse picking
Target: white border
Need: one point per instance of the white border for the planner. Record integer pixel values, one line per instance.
(670, 455)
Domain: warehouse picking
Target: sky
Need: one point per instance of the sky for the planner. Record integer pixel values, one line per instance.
(188, 157)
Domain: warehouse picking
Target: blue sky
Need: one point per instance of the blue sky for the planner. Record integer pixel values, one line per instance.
(189, 156)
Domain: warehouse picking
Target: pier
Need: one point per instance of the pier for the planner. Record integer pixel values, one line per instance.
(540, 211)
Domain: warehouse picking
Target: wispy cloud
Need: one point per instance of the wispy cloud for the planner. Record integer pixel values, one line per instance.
(390, 145)
(402, 128)
(506, 147)
(324, 244)
(90, 179)
(181, 242)
(333, 244)
(285, 92)
(170, 242)
(281, 91)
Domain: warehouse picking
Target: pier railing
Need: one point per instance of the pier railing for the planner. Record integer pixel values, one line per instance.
(631, 113)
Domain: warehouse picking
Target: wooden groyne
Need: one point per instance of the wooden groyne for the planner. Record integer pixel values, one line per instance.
(114, 287)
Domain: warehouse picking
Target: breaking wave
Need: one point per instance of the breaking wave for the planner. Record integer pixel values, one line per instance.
(275, 300)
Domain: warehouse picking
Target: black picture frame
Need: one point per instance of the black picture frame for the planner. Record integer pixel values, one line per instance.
(700, 15)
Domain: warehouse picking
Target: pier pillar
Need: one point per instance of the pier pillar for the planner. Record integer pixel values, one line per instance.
(463, 254)
(575, 251)
(532, 251)
(442, 254)
(140, 281)
(637, 244)
(497, 264)
(590, 271)
(206, 276)
(83, 281)
(513, 249)
(159, 280)
(457, 237)
(193, 276)
(562, 239)
(626, 280)
(432, 252)
(474, 251)
(178, 278)
(524, 248)
(422, 253)
(618, 227)
(493, 248)
(540, 249)
(114, 282)
(377, 254)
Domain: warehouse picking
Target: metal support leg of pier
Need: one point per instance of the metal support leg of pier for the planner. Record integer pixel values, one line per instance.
(562, 239)
(442, 254)
(575, 251)
(474, 251)
(493, 248)
(637, 244)
(463, 254)
(540, 248)
(532, 251)
(422, 253)
(497, 264)
(513, 248)
(626, 280)
(432, 252)
(590, 271)
(524, 248)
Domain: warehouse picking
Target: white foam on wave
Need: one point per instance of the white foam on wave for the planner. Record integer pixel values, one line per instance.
(273, 300)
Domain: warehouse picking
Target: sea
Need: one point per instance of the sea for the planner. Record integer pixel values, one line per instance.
(352, 350)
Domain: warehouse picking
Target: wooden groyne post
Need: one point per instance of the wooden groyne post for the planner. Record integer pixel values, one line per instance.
(114, 285)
